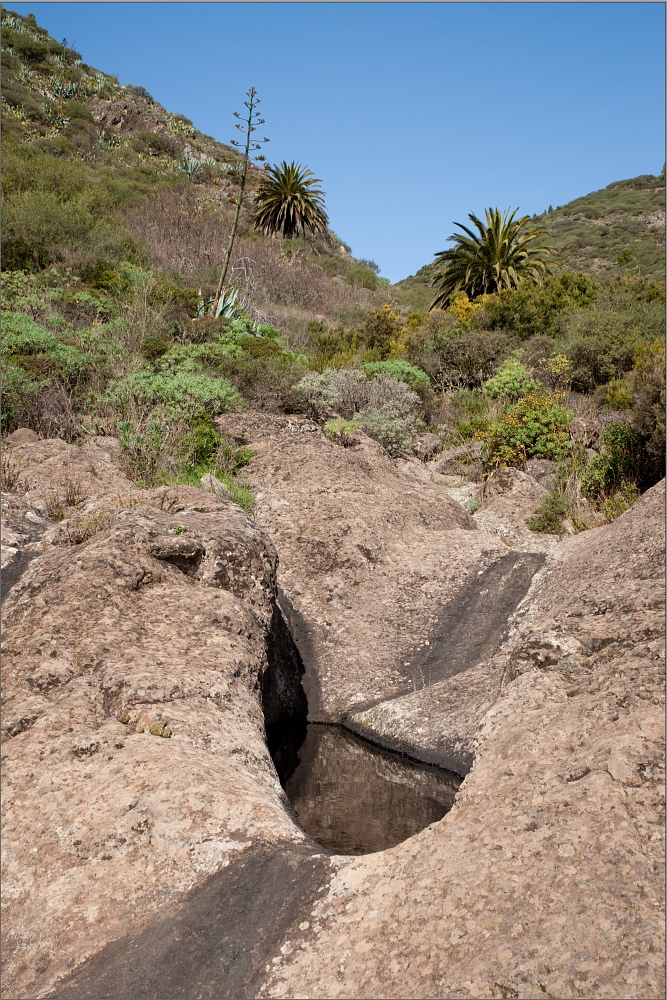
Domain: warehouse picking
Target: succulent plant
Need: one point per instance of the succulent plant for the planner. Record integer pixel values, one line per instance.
(189, 165)
(231, 168)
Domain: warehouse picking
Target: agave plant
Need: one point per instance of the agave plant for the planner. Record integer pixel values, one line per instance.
(189, 165)
(94, 85)
(501, 254)
(227, 306)
(231, 168)
(66, 90)
(288, 201)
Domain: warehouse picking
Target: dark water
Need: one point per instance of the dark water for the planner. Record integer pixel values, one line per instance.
(354, 798)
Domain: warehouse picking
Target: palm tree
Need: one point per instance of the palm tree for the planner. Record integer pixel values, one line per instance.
(289, 201)
(500, 255)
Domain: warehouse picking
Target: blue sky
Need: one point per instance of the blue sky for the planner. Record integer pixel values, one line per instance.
(413, 114)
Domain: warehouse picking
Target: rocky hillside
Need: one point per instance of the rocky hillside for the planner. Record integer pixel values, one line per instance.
(619, 230)
(95, 174)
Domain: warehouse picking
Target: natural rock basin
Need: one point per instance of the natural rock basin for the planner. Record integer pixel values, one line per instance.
(355, 798)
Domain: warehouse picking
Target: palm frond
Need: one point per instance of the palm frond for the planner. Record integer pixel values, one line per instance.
(499, 255)
(289, 201)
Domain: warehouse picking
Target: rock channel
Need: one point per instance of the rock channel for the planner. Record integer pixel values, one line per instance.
(152, 638)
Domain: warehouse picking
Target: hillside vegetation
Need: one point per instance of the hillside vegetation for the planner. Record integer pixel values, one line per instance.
(95, 174)
(116, 214)
(619, 230)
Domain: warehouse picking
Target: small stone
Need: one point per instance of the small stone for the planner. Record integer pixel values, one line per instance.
(212, 484)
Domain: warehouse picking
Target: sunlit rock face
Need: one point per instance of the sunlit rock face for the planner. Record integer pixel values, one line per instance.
(147, 839)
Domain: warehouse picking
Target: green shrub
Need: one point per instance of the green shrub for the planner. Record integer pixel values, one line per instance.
(77, 110)
(402, 371)
(616, 395)
(180, 393)
(203, 440)
(619, 464)
(550, 514)
(37, 226)
(534, 427)
(647, 382)
(342, 431)
(40, 353)
(511, 381)
(361, 276)
(379, 329)
(145, 448)
(207, 451)
(156, 346)
(156, 144)
(265, 374)
(531, 310)
(459, 358)
(385, 408)
(393, 423)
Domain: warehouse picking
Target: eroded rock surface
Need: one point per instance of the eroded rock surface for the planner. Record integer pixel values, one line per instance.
(134, 756)
(369, 556)
(148, 849)
(547, 877)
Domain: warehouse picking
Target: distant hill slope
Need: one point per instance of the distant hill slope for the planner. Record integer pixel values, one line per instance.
(620, 229)
(107, 161)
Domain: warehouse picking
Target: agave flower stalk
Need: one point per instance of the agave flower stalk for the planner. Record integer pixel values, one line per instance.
(248, 126)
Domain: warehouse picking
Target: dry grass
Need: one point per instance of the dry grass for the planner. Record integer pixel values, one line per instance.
(49, 413)
(185, 229)
(81, 529)
(11, 475)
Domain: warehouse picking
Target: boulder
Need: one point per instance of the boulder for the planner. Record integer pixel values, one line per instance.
(368, 548)
(134, 756)
(542, 471)
(559, 819)
(146, 839)
(507, 480)
(509, 496)
(23, 435)
(425, 446)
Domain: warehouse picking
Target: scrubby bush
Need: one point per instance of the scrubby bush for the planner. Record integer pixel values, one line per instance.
(531, 310)
(380, 328)
(550, 515)
(533, 427)
(156, 144)
(393, 423)
(511, 382)
(401, 370)
(620, 462)
(44, 376)
(458, 358)
(647, 386)
(36, 227)
(343, 390)
(615, 395)
(386, 409)
(179, 393)
(342, 431)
